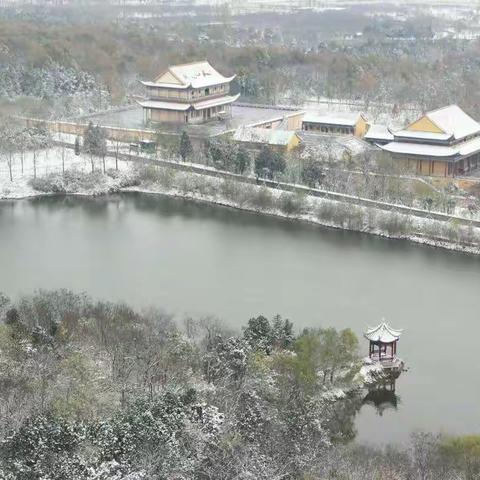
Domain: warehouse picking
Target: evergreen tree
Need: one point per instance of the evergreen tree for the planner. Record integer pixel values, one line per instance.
(185, 148)
(95, 143)
(312, 173)
(242, 160)
(269, 163)
(77, 146)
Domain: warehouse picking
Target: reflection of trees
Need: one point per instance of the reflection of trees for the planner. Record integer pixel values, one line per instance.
(342, 416)
(97, 206)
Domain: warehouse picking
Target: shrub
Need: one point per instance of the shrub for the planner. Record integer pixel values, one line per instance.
(291, 204)
(356, 218)
(262, 199)
(341, 214)
(393, 223)
(51, 183)
(326, 211)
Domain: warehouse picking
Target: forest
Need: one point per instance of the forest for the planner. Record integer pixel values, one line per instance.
(73, 66)
(97, 390)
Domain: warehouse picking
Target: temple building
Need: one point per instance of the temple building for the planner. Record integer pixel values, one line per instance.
(443, 142)
(341, 123)
(190, 93)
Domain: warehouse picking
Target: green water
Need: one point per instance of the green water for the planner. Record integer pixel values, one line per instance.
(202, 260)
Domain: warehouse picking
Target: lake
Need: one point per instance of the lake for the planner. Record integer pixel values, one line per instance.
(197, 259)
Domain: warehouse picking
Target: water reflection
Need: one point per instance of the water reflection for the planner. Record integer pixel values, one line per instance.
(382, 397)
(193, 259)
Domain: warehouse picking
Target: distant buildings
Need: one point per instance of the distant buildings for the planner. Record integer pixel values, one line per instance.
(443, 142)
(190, 93)
(337, 123)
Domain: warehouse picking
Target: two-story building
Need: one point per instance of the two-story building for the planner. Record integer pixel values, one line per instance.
(189, 93)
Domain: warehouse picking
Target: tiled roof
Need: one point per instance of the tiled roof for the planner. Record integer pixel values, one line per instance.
(165, 105)
(215, 102)
(383, 333)
(454, 121)
(340, 118)
(378, 132)
(199, 75)
(264, 135)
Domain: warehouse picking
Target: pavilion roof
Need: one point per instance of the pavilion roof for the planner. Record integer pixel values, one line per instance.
(382, 333)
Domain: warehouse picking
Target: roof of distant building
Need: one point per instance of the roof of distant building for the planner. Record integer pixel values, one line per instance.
(339, 118)
(378, 132)
(417, 135)
(407, 148)
(454, 121)
(264, 135)
(333, 146)
(215, 102)
(164, 105)
(383, 333)
(195, 75)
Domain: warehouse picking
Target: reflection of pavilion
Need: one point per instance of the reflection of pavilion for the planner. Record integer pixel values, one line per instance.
(382, 396)
(383, 348)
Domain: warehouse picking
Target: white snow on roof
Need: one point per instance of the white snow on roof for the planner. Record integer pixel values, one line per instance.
(199, 75)
(165, 105)
(454, 120)
(422, 135)
(406, 148)
(378, 132)
(467, 148)
(264, 135)
(164, 85)
(216, 102)
(383, 333)
(462, 149)
(332, 146)
(340, 118)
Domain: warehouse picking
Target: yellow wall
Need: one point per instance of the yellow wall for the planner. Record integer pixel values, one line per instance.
(118, 134)
(361, 127)
(168, 77)
(424, 124)
(293, 122)
(167, 116)
(294, 143)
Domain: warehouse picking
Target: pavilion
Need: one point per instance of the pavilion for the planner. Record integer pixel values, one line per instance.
(383, 342)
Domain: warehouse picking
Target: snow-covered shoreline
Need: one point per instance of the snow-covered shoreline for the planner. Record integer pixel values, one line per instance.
(309, 219)
(304, 218)
(211, 190)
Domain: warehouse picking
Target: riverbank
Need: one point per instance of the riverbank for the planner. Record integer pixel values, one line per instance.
(313, 219)
(79, 179)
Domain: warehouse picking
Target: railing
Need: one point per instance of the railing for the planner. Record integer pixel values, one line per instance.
(188, 99)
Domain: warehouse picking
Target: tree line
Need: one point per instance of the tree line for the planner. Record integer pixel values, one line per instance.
(97, 390)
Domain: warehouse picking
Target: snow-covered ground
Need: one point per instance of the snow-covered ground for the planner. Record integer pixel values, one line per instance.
(197, 186)
(47, 162)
